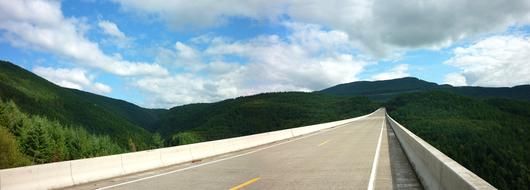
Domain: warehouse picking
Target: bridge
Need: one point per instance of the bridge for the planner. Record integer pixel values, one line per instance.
(367, 152)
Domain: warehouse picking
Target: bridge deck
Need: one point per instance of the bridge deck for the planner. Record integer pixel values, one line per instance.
(338, 158)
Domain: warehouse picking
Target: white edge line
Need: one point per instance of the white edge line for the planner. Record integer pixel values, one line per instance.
(376, 159)
(227, 158)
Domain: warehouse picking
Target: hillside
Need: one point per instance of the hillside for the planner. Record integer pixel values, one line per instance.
(386, 89)
(97, 114)
(490, 137)
(259, 113)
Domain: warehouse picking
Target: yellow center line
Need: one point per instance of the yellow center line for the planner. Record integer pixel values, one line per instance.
(245, 184)
(323, 143)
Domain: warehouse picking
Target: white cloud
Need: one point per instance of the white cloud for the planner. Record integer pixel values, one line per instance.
(75, 78)
(399, 71)
(381, 27)
(494, 61)
(111, 29)
(309, 58)
(40, 25)
(455, 79)
(182, 56)
(102, 88)
(184, 14)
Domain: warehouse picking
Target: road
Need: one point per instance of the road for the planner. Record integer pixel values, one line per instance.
(363, 154)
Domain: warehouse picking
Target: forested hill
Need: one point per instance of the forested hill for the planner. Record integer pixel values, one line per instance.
(488, 136)
(97, 114)
(386, 89)
(256, 114)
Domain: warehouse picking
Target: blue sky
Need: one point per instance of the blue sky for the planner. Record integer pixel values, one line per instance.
(167, 53)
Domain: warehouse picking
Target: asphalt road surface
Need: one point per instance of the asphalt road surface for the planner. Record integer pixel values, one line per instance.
(363, 154)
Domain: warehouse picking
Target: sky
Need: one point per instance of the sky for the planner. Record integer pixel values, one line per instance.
(165, 53)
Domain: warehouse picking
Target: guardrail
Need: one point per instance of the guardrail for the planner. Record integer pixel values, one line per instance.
(74, 172)
(434, 169)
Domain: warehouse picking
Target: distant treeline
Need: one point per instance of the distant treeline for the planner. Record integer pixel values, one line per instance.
(490, 137)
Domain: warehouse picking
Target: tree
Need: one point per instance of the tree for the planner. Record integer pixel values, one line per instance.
(11, 155)
(158, 141)
(132, 146)
(37, 143)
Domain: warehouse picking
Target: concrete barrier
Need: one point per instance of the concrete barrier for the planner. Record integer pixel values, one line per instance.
(140, 161)
(175, 155)
(202, 150)
(68, 173)
(44, 176)
(434, 169)
(83, 170)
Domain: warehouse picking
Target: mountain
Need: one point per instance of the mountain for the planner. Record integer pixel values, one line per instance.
(97, 114)
(488, 136)
(259, 113)
(387, 89)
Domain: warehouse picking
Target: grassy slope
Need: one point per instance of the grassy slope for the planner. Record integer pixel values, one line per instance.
(489, 137)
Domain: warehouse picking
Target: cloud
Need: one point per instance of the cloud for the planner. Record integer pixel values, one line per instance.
(380, 27)
(399, 71)
(182, 14)
(455, 79)
(308, 58)
(75, 78)
(111, 29)
(495, 61)
(102, 88)
(182, 56)
(40, 25)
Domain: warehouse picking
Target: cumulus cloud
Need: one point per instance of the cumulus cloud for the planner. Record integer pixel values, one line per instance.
(494, 61)
(75, 78)
(380, 27)
(399, 71)
(309, 58)
(111, 29)
(455, 79)
(40, 25)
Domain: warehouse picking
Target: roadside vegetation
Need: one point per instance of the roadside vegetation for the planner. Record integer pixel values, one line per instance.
(490, 137)
(27, 140)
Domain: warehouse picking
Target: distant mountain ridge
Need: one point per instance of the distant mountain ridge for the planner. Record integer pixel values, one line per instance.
(386, 89)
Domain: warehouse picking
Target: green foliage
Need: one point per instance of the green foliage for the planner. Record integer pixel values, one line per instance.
(96, 114)
(183, 138)
(158, 141)
(261, 113)
(489, 137)
(10, 151)
(29, 140)
(132, 145)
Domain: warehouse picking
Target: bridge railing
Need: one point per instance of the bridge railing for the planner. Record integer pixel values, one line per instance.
(434, 169)
(74, 172)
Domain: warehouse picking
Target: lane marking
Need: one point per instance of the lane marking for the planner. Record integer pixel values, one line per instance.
(371, 183)
(323, 143)
(245, 184)
(235, 156)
